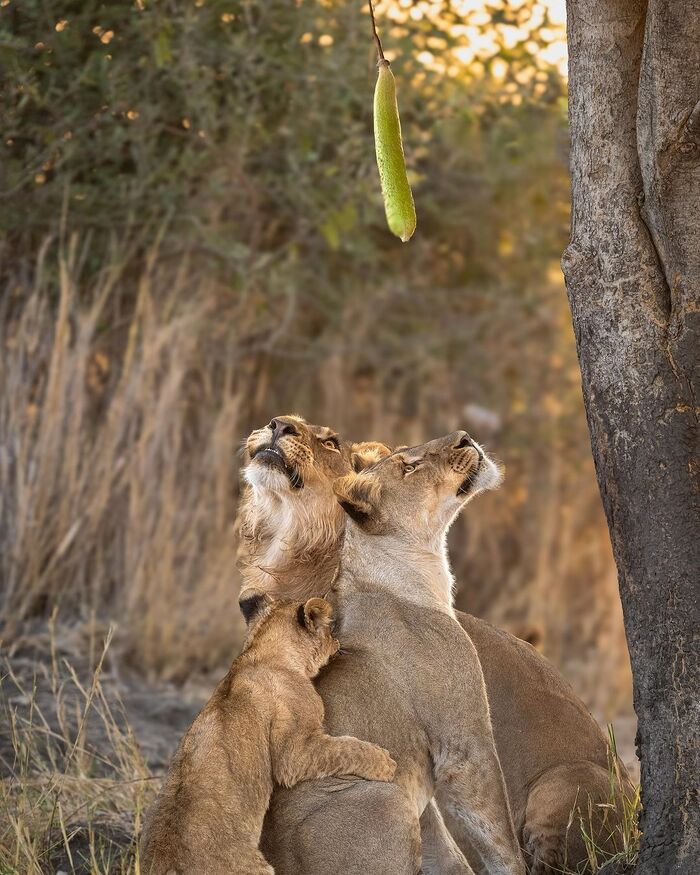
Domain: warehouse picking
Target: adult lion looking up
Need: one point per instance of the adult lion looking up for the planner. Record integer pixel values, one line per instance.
(289, 521)
(552, 752)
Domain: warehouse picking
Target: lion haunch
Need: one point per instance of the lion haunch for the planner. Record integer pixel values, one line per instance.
(263, 725)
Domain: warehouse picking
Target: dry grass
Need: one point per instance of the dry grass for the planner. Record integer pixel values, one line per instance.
(74, 782)
(118, 467)
(611, 844)
(122, 407)
(624, 836)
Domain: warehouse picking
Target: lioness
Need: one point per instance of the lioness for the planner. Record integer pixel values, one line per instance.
(290, 522)
(408, 677)
(263, 723)
(553, 755)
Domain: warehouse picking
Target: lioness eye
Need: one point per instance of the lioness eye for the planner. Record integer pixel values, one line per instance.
(408, 468)
(330, 444)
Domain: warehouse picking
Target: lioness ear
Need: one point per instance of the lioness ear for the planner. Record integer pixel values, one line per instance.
(366, 453)
(534, 635)
(315, 614)
(358, 495)
(253, 605)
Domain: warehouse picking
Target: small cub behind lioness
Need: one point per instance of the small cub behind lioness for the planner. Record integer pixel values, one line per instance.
(263, 724)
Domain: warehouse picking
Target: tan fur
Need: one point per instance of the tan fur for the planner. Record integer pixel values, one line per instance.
(263, 725)
(290, 536)
(552, 752)
(409, 677)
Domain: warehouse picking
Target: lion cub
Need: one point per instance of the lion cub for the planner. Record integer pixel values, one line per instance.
(263, 724)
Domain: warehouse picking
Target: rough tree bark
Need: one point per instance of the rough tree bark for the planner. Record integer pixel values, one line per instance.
(633, 278)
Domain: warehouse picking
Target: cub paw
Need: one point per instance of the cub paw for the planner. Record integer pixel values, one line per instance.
(384, 766)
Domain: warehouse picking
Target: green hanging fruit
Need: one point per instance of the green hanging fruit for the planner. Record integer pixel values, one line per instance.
(398, 200)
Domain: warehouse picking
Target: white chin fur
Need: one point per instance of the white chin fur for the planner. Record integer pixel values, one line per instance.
(264, 477)
(490, 475)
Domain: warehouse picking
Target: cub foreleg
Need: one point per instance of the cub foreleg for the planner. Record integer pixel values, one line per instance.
(307, 757)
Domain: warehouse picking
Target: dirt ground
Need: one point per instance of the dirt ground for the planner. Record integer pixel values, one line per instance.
(118, 731)
(159, 713)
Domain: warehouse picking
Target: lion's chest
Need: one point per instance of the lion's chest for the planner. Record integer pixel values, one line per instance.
(362, 698)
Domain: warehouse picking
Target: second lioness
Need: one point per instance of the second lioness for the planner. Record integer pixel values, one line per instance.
(553, 754)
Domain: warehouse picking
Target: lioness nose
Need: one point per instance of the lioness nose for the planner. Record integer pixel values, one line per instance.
(282, 426)
(464, 441)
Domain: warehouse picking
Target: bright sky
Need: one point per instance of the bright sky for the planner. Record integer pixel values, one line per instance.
(557, 14)
(477, 14)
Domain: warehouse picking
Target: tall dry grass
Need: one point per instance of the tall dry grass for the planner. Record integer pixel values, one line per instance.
(118, 440)
(123, 404)
(74, 783)
(624, 836)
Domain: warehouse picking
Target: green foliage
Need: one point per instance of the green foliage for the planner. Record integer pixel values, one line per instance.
(242, 131)
(247, 127)
(116, 105)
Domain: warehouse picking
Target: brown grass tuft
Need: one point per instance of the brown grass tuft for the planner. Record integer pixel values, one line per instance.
(626, 835)
(75, 783)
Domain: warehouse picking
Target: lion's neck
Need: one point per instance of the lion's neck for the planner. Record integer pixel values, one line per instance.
(290, 544)
(419, 573)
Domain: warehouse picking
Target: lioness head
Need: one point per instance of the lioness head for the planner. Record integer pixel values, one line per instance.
(290, 523)
(289, 453)
(418, 491)
(300, 632)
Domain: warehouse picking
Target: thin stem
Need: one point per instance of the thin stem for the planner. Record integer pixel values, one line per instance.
(380, 53)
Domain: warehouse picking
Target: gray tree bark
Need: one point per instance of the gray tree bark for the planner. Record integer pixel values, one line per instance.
(633, 278)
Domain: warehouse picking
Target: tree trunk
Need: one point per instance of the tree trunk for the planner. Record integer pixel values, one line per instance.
(633, 278)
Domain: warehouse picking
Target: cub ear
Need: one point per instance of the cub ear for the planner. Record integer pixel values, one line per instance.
(315, 614)
(366, 453)
(358, 495)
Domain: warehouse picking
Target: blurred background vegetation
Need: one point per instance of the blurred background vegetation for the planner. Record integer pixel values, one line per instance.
(193, 240)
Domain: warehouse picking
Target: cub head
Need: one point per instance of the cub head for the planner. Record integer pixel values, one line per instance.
(416, 492)
(289, 521)
(298, 632)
